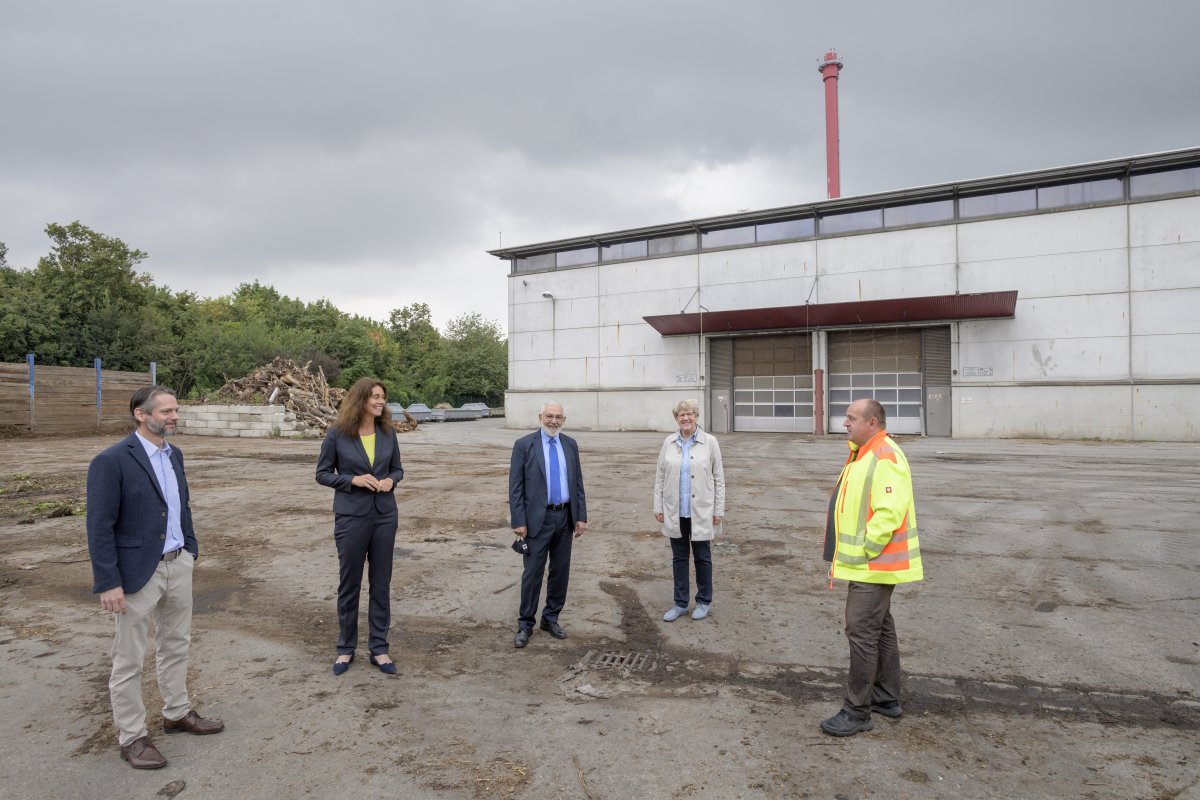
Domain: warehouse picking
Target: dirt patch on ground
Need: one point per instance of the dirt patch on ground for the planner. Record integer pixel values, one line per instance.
(1049, 653)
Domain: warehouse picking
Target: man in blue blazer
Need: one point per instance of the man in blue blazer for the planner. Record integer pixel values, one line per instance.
(547, 504)
(143, 548)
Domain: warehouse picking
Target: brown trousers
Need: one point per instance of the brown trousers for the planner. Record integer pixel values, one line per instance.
(874, 676)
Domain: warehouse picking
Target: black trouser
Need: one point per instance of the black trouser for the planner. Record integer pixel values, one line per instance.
(553, 541)
(681, 548)
(371, 538)
(874, 677)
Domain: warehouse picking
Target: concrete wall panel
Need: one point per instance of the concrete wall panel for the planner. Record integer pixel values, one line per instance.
(1104, 358)
(767, 263)
(1078, 317)
(1100, 271)
(1165, 357)
(1166, 413)
(1007, 412)
(756, 294)
(651, 372)
(1172, 266)
(630, 308)
(642, 340)
(1166, 311)
(1164, 222)
(886, 250)
(654, 274)
(1079, 231)
(858, 286)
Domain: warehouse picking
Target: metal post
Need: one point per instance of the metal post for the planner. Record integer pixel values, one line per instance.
(154, 373)
(32, 413)
(99, 395)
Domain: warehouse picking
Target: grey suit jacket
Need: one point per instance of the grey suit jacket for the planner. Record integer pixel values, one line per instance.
(527, 482)
(127, 516)
(343, 457)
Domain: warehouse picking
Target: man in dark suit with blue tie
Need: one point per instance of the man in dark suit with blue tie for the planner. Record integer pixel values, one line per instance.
(143, 549)
(547, 505)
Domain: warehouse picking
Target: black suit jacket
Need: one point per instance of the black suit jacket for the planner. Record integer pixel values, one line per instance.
(343, 457)
(127, 516)
(527, 482)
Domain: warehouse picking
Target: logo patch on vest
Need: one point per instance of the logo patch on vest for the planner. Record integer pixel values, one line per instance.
(887, 490)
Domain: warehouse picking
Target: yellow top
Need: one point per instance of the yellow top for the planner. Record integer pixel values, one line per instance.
(369, 446)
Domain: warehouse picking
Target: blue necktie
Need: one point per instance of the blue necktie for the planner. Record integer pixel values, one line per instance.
(555, 475)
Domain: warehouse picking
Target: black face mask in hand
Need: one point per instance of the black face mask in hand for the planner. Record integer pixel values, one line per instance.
(520, 546)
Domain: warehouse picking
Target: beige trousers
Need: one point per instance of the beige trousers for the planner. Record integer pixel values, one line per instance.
(166, 599)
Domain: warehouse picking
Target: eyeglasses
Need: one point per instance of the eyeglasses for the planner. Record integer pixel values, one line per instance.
(554, 416)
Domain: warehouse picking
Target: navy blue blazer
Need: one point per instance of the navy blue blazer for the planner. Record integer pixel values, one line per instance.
(343, 457)
(527, 482)
(127, 516)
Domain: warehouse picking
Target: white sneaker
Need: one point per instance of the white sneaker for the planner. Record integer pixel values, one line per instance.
(675, 613)
(701, 611)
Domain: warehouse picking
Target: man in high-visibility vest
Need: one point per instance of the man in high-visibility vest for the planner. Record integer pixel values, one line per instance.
(871, 538)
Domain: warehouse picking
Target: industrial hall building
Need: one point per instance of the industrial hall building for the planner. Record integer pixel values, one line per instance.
(1059, 303)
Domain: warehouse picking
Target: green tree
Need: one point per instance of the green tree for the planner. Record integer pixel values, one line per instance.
(29, 320)
(475, 360)
(421, 376)
(98, 293)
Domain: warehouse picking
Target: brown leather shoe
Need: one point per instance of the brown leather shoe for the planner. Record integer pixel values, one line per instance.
(142, 754)
(193, 723)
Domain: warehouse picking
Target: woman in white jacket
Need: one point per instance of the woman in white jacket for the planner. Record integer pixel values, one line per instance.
(690, 503)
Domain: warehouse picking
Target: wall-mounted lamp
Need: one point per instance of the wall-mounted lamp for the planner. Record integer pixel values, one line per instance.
(548, 295)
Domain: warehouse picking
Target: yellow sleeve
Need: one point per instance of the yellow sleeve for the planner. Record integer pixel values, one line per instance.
(891, 496)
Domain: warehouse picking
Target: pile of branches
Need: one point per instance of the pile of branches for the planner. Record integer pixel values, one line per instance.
(298, 389)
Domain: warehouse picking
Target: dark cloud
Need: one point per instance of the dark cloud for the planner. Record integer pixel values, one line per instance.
(305, 143)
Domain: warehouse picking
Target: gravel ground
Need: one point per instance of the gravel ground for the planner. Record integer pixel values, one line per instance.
(1053, 650)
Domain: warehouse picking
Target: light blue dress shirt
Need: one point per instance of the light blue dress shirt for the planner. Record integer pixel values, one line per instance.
(562, 469)
(685, 474)
(164, 471)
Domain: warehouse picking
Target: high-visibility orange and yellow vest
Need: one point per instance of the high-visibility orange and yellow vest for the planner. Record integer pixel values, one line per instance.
(875, 519)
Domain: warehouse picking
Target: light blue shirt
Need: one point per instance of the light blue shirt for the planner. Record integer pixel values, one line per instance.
(562, 469)
(164, 471)
(685, 473)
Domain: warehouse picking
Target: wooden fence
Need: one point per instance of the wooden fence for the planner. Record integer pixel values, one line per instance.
(66, 399)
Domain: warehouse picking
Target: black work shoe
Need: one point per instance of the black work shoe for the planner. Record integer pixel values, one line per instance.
(522, 638)
(891, 709)
(554, 629)
(844, 723)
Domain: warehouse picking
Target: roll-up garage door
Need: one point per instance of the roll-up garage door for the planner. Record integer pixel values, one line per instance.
(884, 364)
(773, 383)
(720, 382)
(936, 360)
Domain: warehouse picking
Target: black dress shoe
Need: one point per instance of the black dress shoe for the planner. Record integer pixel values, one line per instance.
(387, 668)
(340, 667)
(522, 638)
(891, 709)
(844, 723)
(554, 629)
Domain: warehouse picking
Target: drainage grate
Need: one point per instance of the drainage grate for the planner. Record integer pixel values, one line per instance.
(629, 661)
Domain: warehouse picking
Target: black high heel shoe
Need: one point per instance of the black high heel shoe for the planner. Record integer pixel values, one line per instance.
(340, 667)
(387, 669)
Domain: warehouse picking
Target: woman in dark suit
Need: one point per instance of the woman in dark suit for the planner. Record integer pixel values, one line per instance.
(360, 460)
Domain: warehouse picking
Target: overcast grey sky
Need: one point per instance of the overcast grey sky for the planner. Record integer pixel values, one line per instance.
(369, 152)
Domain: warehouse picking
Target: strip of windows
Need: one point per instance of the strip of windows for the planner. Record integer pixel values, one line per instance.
(1141, 186)
(1158, 184)
(669, 245)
